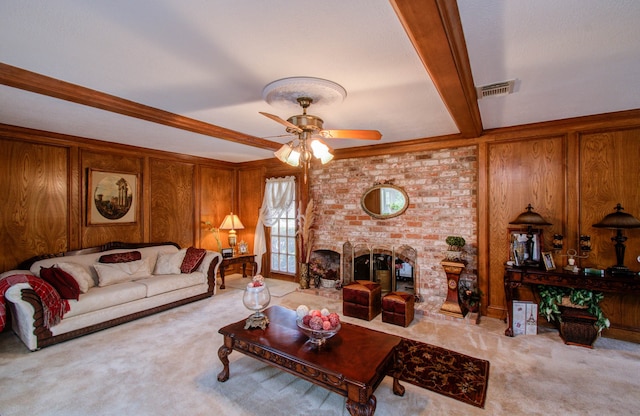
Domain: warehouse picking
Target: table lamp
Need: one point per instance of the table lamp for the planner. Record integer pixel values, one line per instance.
(530, 218)
(619, 221)
(232, 222)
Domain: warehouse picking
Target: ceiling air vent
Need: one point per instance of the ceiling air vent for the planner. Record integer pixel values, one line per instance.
(495, 90)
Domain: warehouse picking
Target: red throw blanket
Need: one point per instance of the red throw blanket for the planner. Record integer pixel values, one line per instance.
(54, 306)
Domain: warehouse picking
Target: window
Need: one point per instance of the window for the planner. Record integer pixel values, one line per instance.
(283, 242)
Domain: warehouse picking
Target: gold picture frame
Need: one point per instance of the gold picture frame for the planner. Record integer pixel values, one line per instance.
(112, 198)
(547, 260)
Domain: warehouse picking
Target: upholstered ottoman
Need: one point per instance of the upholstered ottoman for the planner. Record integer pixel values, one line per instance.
(397, 308)
(362, 299)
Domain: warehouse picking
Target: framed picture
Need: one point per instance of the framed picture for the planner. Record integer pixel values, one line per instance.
(547, 259)
(243, 247)
(112, 198)
(227, 252)
(518, 245)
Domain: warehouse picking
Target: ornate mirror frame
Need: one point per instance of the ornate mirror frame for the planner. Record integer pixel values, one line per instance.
(372, 196)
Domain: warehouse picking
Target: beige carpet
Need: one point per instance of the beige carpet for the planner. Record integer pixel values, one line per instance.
(167, 364)
(277, 288)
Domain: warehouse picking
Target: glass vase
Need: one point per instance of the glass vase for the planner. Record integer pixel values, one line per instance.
(257, 299)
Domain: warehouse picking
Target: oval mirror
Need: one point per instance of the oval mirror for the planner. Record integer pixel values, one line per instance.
(384, 201)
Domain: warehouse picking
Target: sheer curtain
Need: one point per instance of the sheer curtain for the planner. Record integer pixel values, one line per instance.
(278, 195)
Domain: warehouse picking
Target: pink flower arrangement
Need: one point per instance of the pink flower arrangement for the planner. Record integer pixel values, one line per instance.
(258, 281)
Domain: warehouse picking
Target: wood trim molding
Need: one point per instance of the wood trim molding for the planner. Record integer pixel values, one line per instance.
(41, 84)
(435, 30)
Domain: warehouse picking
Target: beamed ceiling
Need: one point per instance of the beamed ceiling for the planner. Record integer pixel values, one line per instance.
(187, 76)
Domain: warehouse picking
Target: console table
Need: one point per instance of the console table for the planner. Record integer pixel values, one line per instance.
(515, 277)
(243, 259)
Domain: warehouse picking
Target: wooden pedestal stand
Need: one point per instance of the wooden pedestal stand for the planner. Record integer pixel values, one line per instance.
(451, 305)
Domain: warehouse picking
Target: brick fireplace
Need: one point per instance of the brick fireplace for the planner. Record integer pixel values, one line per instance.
(441, 186)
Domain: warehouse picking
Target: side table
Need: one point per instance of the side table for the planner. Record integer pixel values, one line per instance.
(243, 259)
(451, 305)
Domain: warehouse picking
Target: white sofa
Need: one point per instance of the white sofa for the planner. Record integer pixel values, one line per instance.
(110, 299)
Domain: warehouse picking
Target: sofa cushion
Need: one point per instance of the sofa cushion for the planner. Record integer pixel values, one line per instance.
(80, 274)
(113, 273)
(169, 263)
(99, 298)
(62, 282)
(192, 259)
(166, 283)
(120, 257)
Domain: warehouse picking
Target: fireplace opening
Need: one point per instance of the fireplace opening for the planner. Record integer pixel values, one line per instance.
(324, 268)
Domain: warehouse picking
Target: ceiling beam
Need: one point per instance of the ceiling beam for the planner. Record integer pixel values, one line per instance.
(41, 84)
(435, 29)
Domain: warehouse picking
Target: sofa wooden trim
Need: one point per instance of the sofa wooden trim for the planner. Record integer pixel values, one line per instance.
(44, 335)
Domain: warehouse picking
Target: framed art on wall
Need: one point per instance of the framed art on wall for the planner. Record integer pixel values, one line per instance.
(112, 197)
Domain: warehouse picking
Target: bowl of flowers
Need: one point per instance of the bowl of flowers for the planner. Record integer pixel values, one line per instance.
(317, 325)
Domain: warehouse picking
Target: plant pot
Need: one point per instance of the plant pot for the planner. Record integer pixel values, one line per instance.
(328, 283)
(578, 327)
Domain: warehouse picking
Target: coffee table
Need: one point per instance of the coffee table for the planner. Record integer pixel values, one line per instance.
(351, 363)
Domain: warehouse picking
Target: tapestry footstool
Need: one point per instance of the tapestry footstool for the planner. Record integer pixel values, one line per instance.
(397, 308)
(362, 299)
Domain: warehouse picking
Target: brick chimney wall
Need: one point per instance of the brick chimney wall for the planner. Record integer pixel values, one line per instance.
(442, 188)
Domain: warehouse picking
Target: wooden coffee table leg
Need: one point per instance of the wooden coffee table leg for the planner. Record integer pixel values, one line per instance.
(362, 409)
(223, 354)
(398, 389)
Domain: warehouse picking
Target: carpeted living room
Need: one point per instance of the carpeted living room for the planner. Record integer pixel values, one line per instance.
(441, 197)
(167, 364)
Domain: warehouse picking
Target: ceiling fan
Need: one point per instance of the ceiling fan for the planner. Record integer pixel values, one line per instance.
(307, 127)
(311, 124)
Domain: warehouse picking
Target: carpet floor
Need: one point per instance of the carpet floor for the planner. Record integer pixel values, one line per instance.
(167, 364)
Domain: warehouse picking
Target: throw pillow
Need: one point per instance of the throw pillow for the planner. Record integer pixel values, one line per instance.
(192, 259)
(62, 282)
(169, 263)
(113, 273)
(120, 257)
(80, 274)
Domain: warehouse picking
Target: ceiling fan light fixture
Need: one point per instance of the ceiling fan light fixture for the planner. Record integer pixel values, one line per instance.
(294, 157)
(283, 153)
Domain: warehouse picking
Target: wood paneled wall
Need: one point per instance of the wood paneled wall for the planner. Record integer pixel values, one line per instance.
(44, 176)
(573, 172)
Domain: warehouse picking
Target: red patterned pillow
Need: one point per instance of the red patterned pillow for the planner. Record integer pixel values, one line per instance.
(62, 282)
(192, 259)
(120, 257)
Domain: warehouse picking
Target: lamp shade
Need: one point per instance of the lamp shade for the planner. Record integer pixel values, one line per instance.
(618, 220)
(530, 218)
(231, 222)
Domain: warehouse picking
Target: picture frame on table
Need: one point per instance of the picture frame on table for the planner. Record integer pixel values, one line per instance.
(112, 197)
(227, 252)
(547, 260)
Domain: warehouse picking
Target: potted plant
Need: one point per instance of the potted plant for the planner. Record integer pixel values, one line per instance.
(559, 304)
(455, 245)
(470, 295)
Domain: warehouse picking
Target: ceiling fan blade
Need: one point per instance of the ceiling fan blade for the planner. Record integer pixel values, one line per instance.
(352, 134)
(288, 125)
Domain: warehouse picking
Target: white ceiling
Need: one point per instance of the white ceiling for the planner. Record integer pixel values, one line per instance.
(209, 60)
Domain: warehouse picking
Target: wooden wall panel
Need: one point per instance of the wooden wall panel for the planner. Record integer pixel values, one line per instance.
(609, 174)
(172, 201)
(95, 235)
(250, 195)
(35, 214)
(215, 202)
(521, 172)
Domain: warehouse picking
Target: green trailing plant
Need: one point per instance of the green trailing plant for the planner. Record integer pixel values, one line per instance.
(551, 299)
(470, 296)
(455, 242)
